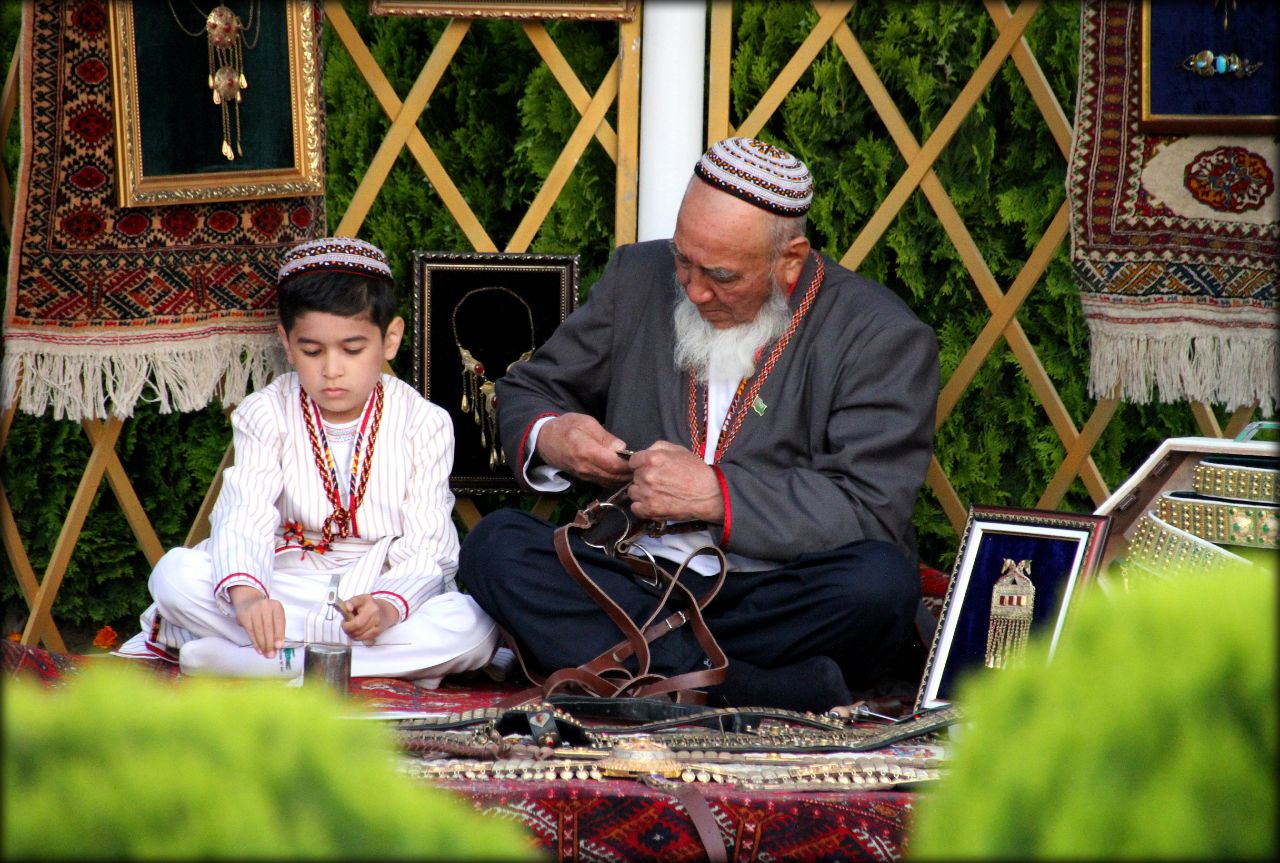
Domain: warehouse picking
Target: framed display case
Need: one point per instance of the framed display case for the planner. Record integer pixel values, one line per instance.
(475, 316)
(177, 140)
(1015, 577)
(605, 10)
(1209, 67)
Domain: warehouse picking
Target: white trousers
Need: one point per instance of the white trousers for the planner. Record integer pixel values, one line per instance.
(447, 634)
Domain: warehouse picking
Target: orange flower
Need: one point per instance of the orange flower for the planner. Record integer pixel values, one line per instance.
(14, 636)
(106, 638)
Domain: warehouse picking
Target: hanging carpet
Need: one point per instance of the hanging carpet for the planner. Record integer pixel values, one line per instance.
(104, 302)
(1173, 238)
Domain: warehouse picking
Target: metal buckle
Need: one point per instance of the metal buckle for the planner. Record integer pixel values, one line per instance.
(610, 525)
(631, 550)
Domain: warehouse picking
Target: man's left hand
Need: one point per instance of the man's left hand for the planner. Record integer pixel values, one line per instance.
(671, 483)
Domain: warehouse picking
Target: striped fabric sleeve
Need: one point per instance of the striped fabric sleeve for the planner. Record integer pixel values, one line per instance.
(243, 521)
(396, 601)
(240, 578)
(423, 559)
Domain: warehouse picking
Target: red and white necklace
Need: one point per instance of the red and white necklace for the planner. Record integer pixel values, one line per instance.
(341, 521)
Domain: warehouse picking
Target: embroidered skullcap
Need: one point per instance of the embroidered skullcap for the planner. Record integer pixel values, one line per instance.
(759, 173)
(340, 254)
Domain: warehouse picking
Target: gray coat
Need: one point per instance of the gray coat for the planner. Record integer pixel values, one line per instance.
(838, 454)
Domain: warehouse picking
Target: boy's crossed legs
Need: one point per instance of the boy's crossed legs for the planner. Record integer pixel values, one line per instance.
(447, 634)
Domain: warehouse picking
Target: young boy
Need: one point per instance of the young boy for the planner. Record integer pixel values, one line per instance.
(340, 490)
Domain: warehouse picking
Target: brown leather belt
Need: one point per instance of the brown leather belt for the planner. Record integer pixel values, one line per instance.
(609, 525)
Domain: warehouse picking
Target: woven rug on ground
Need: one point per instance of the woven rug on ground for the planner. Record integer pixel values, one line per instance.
(595, 818)
(621, 821)
(1173, 239)
(104, 301)
(455, 695)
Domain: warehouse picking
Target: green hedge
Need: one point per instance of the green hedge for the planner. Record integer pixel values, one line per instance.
(498, 121)
(255, 770)
(1150, 736)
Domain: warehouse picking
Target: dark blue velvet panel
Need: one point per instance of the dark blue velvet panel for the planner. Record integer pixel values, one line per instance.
(1051, 561)
(1181, 28)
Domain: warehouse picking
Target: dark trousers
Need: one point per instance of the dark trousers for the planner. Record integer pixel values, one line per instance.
(856, 604)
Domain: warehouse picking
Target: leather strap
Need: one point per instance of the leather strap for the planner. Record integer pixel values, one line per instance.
(606, 675)
(704, 821)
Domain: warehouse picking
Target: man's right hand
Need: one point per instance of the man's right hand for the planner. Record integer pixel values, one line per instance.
(577, 443)
(261, 617)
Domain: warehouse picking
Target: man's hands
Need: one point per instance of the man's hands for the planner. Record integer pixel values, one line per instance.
(668, 482)
(671, 483)
(577, 443)
(262, 618)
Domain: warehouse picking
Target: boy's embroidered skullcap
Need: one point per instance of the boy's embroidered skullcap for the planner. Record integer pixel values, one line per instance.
(759, 173)
(341, 254)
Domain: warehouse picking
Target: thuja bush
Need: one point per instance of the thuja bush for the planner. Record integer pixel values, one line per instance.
(1006, 177)
(1150, 735)
(120, 765)
(170, 459)
(497, 122)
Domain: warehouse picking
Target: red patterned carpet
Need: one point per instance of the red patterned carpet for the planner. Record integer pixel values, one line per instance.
(1174, 239)
(105, 299)
(609, 819)
(625, 820)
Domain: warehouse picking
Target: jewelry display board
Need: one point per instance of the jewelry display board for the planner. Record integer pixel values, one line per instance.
(215, 102)
(475, 316)
(1209, 67)
(1015, 577)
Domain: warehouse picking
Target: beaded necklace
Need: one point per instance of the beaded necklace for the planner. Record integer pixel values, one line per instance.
(341, 522)
(748, 388)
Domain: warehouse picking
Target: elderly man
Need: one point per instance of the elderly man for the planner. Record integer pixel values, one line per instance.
(778, 401)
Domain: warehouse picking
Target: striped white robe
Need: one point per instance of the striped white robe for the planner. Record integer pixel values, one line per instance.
(404, 547)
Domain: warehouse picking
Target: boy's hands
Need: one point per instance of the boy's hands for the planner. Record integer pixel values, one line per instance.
(261, 617)
(369, 618)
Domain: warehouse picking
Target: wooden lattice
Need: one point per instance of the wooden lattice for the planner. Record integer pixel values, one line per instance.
(621, 87)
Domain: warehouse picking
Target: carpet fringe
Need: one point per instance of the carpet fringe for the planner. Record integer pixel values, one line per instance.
(1232, 369)
(78, 383)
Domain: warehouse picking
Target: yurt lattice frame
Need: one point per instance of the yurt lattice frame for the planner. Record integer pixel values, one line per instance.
(620, 89)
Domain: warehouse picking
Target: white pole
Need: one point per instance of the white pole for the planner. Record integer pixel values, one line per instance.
(673, 59)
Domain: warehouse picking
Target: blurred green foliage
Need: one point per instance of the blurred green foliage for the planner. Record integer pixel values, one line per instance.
(122, 765)
(497, 122)
(1150, 735)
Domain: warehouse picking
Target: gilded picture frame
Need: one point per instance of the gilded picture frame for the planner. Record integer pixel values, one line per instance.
(1177, 99)
(988, 611)
(169, 131)
(592, 10)
(498, 307)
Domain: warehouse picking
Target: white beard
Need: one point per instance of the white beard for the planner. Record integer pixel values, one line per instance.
(730, 352)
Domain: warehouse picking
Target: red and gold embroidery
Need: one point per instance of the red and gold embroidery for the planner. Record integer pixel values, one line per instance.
(749, 388)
